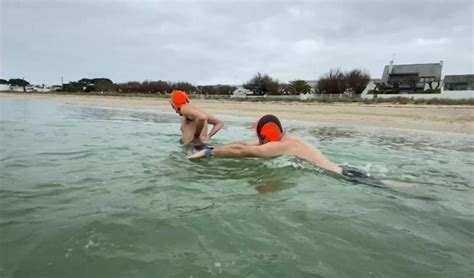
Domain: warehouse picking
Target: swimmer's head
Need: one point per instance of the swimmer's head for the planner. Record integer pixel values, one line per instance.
(178, 99)
(269, 129)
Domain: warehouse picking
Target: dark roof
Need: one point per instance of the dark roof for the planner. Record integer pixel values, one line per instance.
(423, 70)
(464, 78)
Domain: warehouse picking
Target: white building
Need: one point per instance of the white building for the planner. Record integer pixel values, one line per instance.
(4, 87)
(241, 92)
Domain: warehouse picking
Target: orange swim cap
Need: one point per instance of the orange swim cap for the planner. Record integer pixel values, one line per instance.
(269, 129)
(179, 98)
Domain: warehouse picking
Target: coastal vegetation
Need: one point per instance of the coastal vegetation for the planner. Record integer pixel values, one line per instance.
(337, 81)
(299, 87)
(335, 86)
(262, 84)
(334, 82)
(15, 82)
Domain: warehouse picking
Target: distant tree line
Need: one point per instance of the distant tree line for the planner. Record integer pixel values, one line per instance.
(89, 85)
(299, 86)
(154, 87)
(337, 81)
(333, 82)
(262, 84)
(145, 87)
(15, 82)
(216, 89)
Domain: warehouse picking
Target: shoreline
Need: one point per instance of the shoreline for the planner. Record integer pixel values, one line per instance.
(441, 118)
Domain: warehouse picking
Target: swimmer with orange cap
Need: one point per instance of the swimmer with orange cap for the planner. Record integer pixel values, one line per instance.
(194, 121)
(273, 142)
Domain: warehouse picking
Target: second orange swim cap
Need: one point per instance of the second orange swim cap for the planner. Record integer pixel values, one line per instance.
(269, 129)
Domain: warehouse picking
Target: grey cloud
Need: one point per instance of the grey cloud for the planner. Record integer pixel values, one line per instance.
(227, 42)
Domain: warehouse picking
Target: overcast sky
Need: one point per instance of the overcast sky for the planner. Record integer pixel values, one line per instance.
(227, 42)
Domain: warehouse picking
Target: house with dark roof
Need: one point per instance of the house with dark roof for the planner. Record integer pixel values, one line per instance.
(459, 82)
(412, 77)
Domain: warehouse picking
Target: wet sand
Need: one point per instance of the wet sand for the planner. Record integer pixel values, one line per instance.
(443, 118)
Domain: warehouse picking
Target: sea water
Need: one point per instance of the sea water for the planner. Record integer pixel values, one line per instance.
(98, 192)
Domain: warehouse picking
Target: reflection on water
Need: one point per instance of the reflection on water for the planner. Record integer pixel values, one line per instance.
(273, 186)
(91, 192)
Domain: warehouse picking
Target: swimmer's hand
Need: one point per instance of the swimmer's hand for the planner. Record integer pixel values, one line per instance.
(197, 155)
(204, 139)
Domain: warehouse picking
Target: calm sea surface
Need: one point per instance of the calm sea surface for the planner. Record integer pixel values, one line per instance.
(96, 192)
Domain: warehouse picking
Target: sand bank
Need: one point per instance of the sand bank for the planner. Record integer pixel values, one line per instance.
(444, 118)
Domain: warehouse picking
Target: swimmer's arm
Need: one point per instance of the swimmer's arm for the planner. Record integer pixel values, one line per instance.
(238, 150)
(315, 156)
(217, 125)
(248, 143)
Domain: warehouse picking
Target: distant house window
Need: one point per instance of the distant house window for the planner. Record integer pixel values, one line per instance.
(456, 86)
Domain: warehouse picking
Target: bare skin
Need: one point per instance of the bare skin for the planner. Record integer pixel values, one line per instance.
(188, 128)
(288, 145)
(194, 124)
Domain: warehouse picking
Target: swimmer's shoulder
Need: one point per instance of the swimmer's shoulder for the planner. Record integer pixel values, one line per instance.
(291, 140)
(287, 145)
(296, 146)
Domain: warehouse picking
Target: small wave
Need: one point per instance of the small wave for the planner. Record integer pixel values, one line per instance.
(42, 192)
(16, 165)
(85, 155)
(48, 185)
(7, 158)
(145, 190)
(89, 180)
(4, 224)
(20, 212)
(191, 209)
(62, 153)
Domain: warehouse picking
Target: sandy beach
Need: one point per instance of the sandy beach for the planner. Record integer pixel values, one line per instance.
(446, 118)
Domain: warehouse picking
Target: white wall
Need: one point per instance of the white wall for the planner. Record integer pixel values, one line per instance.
(16, 89)
(8, 88)
(443, 95)
(43, 90)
